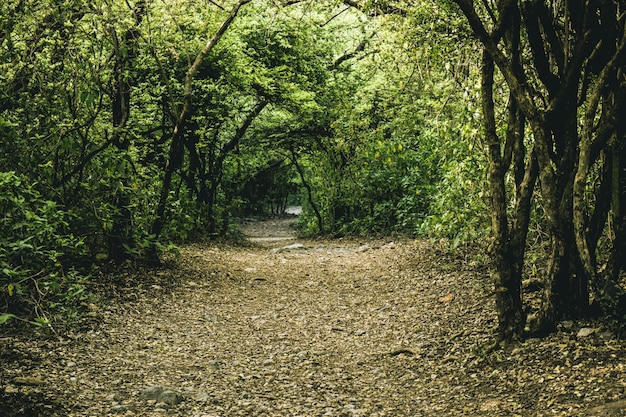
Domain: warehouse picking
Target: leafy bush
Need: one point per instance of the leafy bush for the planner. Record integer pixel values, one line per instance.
(35, 246)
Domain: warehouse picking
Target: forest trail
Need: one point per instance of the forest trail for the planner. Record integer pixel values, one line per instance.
(290, 327)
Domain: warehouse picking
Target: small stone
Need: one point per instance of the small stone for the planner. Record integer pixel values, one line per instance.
(363, 248)
(162, 406)
(170, 397)
(295, 246)
(211, 317)
(585, 332)
(446, 298)
(122, 408)
(151, 393)
(203, 397)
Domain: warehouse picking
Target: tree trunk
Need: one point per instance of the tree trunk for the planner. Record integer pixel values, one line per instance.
(176, 151)
(509, 241)
(121, 239)
(309, 191)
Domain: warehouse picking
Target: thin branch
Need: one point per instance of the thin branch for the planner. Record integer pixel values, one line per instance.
(335, 15)
(350, 55)
(215, 4)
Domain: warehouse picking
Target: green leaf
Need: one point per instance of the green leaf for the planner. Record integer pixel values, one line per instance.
(6, 317)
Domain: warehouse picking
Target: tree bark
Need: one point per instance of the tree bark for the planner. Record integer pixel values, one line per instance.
(573, 67)
(121, 239)
(217, 165)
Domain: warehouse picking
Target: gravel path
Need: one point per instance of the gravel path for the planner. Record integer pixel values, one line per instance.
(309, 328)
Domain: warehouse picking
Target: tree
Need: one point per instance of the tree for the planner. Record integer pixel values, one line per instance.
(563, 66)
(176, 148)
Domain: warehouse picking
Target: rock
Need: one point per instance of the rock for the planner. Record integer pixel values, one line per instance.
(170, 397)
(151, 393)
(294, 246)
(214, 318)
(122, 408)
(585, 332)
(446, 298)
(203, 396)
(363, 248)
(161, 397)
(162, 406)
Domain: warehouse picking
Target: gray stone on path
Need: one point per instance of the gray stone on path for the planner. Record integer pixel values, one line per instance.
(161, 395)
(151, 393)
(287, 248)
(170, 397)
(585, 332)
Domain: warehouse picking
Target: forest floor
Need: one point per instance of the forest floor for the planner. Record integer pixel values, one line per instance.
(281, 326)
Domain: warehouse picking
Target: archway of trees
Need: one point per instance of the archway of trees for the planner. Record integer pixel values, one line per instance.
(128, 125)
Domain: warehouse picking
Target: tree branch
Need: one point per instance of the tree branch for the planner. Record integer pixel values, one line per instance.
(388, 9)
(350, 55)
(518, 88)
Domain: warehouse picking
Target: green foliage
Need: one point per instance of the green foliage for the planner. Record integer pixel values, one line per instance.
(373, 110)
(401, 155)
(36, 250)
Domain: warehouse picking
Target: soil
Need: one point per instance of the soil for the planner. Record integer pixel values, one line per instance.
(283, 326)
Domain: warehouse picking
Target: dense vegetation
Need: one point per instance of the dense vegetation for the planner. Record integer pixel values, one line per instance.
(128, 126)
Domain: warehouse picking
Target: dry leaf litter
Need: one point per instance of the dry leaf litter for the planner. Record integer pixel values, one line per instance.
(289, 327)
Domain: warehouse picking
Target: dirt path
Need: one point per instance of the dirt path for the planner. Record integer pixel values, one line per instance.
(288, 327)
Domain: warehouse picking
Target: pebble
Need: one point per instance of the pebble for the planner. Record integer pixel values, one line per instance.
(585, 331)
(122, 408)
(150, 393)
(159, 396)
(295, 246)
(170, 398)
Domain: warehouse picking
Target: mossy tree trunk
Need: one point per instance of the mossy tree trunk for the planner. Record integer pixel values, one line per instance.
(569, 70)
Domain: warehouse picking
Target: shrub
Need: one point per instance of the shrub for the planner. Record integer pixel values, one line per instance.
(35, 246)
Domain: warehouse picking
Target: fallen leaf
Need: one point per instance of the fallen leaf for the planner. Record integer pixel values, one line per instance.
(447, 298)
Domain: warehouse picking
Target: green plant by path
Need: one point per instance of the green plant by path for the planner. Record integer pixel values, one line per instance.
(35, 249)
